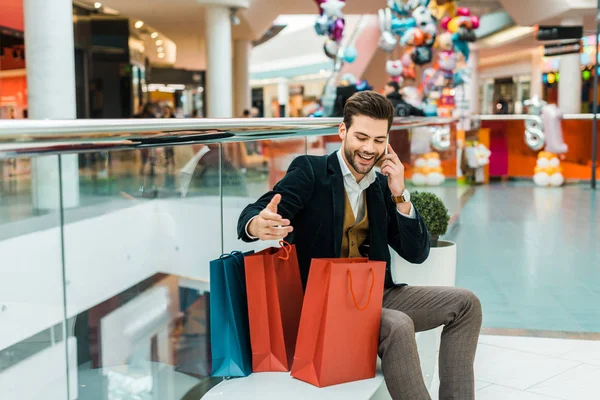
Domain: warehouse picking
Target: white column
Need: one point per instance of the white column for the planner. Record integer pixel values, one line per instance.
(50, 54)
(283, 97)
(536, 74)
(242, 79)
(473, 87)
(569, 84)
(218, 62)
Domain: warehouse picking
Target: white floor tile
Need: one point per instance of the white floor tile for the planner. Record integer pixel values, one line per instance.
(481, 385)
(580, 383)
(495, 392)
(585, 351)
(516, 369)
(543, 346)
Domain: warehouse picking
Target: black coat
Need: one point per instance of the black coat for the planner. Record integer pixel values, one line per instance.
(313, 198)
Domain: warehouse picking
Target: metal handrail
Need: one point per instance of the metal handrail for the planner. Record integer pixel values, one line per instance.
(34, 137)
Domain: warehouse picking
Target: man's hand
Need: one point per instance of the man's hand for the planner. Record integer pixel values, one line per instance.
(269, 225)
(393, 168)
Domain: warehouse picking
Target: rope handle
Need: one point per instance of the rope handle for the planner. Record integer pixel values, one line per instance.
(287, 248)
(370, 290)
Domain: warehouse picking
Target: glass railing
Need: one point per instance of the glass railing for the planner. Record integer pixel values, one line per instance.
(107, 229)
(106, 233)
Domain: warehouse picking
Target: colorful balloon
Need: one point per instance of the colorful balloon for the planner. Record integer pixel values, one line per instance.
(331, 48)
(337, 30)
(350, 54)
(322, 25)
(333, 8)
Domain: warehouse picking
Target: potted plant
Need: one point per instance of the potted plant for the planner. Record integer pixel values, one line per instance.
(440, 267)
(434, 214)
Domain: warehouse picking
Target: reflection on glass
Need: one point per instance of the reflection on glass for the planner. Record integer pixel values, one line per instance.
(137, 253)
(31, 294)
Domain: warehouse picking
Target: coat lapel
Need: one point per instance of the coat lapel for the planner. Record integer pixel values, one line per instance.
(337, 195)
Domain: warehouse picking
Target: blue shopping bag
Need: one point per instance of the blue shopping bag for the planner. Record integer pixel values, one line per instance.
(229, 329)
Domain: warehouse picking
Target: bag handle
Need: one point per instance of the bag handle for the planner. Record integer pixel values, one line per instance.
(287, 248)
(370, 290)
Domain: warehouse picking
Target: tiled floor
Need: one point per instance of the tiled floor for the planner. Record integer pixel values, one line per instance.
(531, 255)
(525, 368)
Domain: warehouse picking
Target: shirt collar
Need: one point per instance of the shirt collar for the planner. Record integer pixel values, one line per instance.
(364, 182)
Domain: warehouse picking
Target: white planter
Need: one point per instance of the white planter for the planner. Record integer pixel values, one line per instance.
(438, 270)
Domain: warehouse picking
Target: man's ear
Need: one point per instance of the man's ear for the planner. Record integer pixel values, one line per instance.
(342, 130)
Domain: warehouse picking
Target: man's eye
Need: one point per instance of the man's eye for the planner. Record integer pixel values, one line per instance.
(379, 141)
(362, 139)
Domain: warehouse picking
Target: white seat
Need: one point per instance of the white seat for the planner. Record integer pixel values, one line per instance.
(280, 385)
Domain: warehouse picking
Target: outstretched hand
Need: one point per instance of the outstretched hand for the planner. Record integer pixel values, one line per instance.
(269, 225)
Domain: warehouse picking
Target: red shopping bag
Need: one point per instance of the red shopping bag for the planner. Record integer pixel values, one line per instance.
(274, 291)
(339, 328)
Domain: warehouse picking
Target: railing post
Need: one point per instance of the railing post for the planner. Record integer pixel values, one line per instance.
(595, 105)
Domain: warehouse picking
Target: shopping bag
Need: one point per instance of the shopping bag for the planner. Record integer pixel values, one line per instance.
(339, 327)
(230, 336)
(275, 297)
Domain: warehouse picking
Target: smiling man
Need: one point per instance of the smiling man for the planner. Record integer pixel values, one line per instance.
(339, 206)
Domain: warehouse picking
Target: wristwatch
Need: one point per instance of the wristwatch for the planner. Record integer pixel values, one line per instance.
(403, 198)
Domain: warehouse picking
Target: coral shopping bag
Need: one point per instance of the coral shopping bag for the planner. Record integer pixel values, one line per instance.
(229, 332)
(274, 305)
(339, 328)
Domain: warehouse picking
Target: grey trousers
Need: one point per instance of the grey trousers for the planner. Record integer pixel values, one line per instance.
(411, 309)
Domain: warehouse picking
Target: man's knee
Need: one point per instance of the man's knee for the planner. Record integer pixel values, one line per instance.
(470, 302)
(396, 325)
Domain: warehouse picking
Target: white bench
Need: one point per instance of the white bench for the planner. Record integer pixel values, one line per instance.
(280, 385)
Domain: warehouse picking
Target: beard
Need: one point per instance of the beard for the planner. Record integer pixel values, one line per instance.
(360, 165)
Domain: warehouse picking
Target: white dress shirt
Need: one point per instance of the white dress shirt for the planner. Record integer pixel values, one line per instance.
(355, 191)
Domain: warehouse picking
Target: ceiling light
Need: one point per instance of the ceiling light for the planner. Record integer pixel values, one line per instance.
(154, 35)
(97, 5)
(161, 55)
(139, 24)
(159, 42)
(160, 50)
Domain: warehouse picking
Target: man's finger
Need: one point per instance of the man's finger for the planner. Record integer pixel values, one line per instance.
(283, 232)
(272, 206)
(390, 149)
(270, 215)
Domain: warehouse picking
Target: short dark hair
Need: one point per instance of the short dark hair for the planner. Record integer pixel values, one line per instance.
(370, 104)
(394, 85)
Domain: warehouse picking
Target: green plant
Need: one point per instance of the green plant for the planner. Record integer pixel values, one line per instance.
(434, 214)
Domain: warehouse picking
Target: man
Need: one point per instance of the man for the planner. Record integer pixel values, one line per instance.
(338, 206)
(401, 107)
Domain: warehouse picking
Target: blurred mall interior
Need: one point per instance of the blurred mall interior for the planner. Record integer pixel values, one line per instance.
(133, 133)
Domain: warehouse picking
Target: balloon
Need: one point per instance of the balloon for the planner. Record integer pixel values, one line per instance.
(541, 179)
(441, 138)
(435, 179)
(419, 179)
(336, 31)
(557, 179)
(397, 6)
(350, 54)
(333, 8)
(430, 110)
(461, 46)
(475, 21)
(413, 37)
(434, 162)
(542, 162)
(466, 35)
(463, 12)
(400, 26)
(421, 55)
(331, 48)
(394, 68)
(322, 25)
(387, 42)
(363, 85)
(420, 162)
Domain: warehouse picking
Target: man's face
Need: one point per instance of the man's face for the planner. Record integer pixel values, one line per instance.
(388, 89)
(364, 143)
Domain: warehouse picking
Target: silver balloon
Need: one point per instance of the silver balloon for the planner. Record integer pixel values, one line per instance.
(440, 140)
(331, 48)
(534, 136)
(387, 42)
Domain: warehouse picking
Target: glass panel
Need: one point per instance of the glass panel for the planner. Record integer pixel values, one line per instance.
(251, 169)
(32, 345)
(137, 253)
